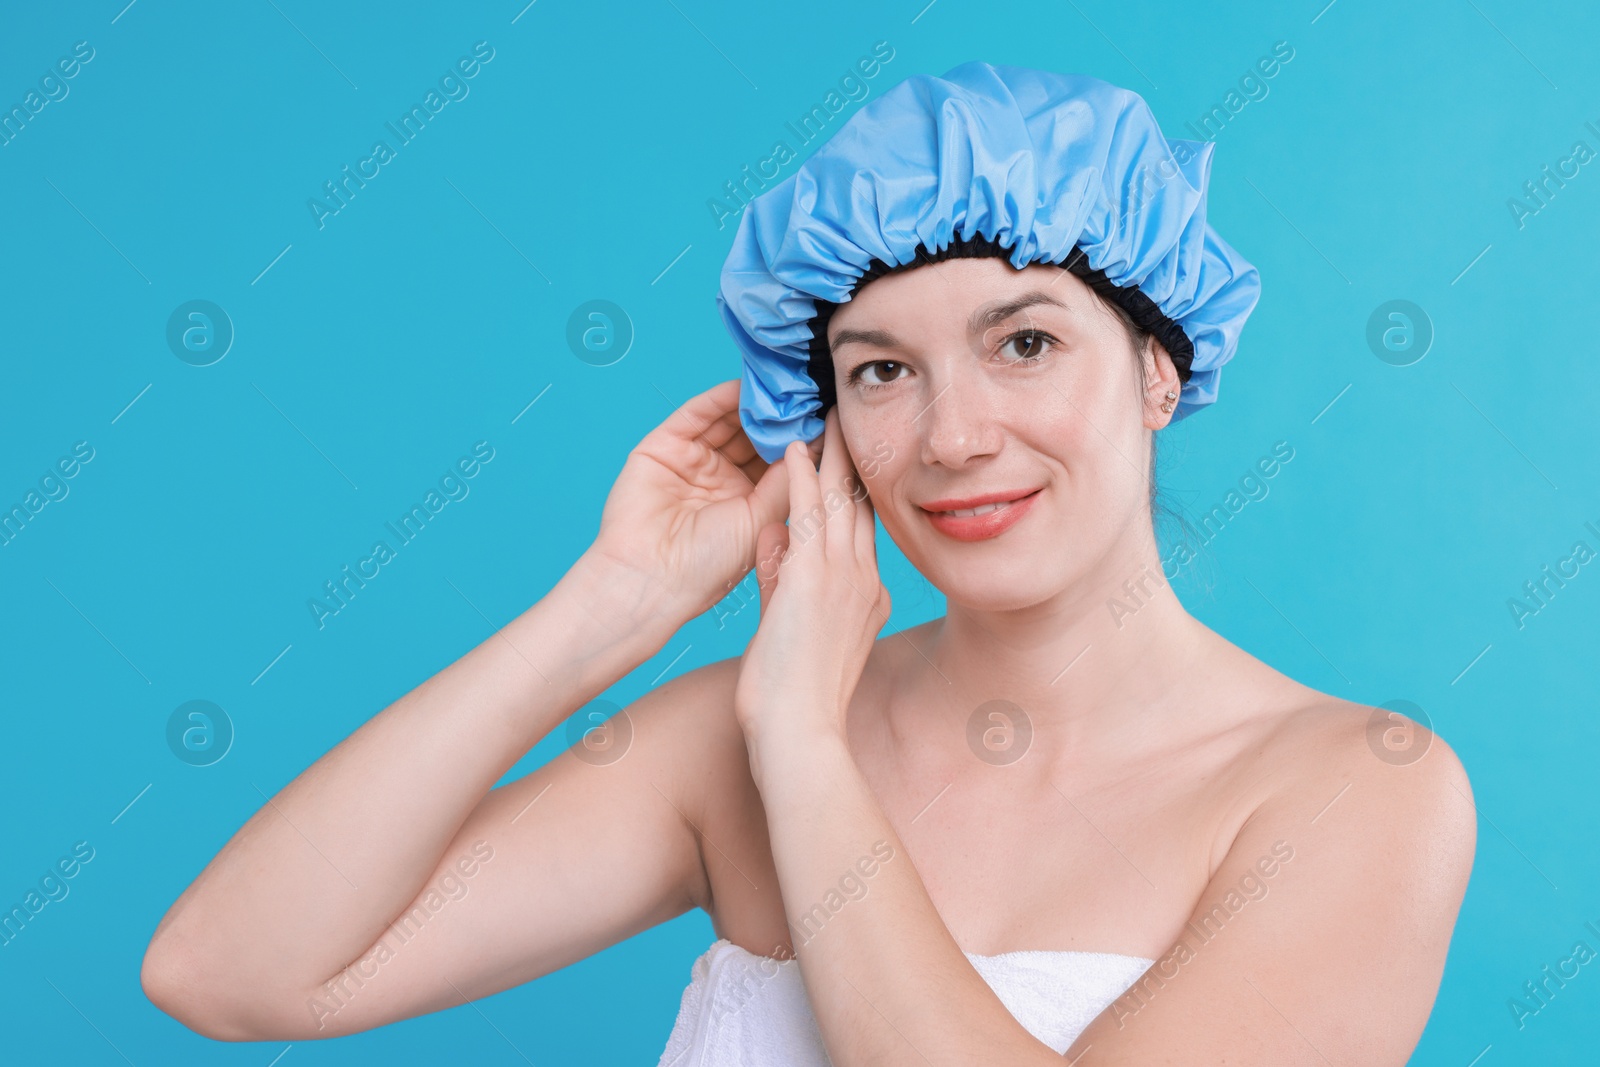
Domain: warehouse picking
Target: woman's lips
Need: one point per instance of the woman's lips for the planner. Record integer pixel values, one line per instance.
(984, 526)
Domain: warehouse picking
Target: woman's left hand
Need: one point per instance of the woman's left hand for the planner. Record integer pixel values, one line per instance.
(822, 604)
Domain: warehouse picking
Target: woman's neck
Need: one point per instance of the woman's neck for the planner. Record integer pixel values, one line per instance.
(1092, 667)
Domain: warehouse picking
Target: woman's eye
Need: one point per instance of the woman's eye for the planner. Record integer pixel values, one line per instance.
(1027, 345)
(879, 373)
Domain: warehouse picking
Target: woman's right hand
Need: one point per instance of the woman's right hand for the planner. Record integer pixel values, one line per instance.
(681, 522)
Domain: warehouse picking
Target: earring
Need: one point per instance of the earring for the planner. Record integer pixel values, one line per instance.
(1172, 398)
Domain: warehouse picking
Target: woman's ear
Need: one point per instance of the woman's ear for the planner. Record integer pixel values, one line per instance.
(1161, 384)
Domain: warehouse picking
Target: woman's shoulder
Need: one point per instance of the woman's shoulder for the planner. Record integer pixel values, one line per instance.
(693, 716)
(1302, 734)
(1320, 753)
(1377, 811)
(1393, 741)
(696, 707)
(1337, 767)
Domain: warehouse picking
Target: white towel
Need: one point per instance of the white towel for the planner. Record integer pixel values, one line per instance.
(745, 1010)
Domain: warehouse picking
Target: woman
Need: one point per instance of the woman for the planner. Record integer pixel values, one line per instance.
(1066, 817)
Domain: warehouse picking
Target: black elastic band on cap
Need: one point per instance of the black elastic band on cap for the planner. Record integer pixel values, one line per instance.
(1145, 313)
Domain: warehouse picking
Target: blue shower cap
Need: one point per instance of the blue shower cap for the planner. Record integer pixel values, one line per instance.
(1047, 168)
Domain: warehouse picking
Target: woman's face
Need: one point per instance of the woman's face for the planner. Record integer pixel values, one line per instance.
(970, 380)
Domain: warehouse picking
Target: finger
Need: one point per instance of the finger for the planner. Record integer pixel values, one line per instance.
(805, 502)
(834, 482)
(695, 415)
(771, 543)
(725, 433)
(866, 526)
(814, 447)
(717, 436)
(769, 501)
(742, 452)
(727, 437)
(727, 440)
(756, 469)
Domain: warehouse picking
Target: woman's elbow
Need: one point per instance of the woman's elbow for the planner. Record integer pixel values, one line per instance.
(172, 983)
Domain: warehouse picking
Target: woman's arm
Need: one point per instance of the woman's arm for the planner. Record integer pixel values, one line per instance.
(1357, 867)
(318, 873)
(1321, 938)
(886, 980)
(299, 927)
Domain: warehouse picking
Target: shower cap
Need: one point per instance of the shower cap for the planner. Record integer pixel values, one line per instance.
(1031, 165)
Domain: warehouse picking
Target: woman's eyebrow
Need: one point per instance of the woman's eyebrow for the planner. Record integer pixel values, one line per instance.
(877, 338)
(982, 319)
(988, 316)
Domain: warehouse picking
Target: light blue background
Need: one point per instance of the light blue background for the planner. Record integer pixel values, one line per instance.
(431, 310)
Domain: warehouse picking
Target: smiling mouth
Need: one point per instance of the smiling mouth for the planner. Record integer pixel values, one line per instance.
(982, 510)
(983, 520)
(978, 505)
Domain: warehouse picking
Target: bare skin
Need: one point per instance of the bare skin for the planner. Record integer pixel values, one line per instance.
(1166, 765)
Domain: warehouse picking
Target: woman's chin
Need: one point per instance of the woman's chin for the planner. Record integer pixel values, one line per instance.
(1003, 585)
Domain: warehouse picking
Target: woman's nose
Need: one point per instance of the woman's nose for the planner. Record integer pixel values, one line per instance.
(958, 422)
